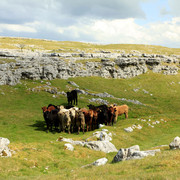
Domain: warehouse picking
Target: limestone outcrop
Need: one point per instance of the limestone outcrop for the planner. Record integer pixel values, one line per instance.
(48, 66)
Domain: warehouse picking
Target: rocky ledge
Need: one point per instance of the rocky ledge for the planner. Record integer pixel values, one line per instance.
(43, 65)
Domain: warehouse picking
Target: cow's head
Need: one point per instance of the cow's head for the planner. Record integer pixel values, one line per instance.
(44, 108)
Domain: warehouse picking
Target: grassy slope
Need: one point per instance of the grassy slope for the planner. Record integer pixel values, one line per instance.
(68, 46)
(22, 122)
(38, 154)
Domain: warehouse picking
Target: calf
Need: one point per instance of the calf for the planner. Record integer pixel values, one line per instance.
(95, 120)
(111, 115)
(46, 114)
(72, 114)
(64, 120)
(88, 118)
(123, 109)
(72, 96)
(101, 112)
(53, 118)
(80, 120)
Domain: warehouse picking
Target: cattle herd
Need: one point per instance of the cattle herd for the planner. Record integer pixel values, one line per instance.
(73, 119)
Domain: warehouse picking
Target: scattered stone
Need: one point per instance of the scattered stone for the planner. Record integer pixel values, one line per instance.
(48, 83)
(130, 100)
(101, 125)
(163, 120)
(104, 146)
(175, 144)
(164, 145)
(69, 147)
(73, 83)
(105, 130)
(133, 153)
(103, 136)
(4, 150)
(156, 122)
(146, 92)
(47, 167)
(136, 89)
(99, 101)
(100, 162)
(81, 143)
(129, 129)
(138, 126)
(150, 125)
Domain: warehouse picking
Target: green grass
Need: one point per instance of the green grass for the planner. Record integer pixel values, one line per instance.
(39, 156)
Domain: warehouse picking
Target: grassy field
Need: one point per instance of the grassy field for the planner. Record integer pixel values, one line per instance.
(71, 46)
(39, 156)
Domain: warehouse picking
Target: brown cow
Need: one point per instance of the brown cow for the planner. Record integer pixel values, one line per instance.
(80, 120)
(88, 118)
(123, 109)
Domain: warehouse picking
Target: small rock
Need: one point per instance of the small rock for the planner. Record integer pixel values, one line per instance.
(175, 144)
(129, 129)
(73, 83)
(133, 153)
(48, 83)
(4, 150)
(100, 162)
(101, 125)
(69, 147)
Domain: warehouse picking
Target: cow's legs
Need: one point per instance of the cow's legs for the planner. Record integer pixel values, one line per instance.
(126, 115)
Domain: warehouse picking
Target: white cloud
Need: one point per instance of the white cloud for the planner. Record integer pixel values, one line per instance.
(174, 5)
(109, 9)
(125, 31)
(101, 21)
(17, 28)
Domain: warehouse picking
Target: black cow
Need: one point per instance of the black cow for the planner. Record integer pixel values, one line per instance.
(50, 116)
(53, 118)
(72, 96)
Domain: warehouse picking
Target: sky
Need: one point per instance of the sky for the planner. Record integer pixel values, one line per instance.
(152, 22)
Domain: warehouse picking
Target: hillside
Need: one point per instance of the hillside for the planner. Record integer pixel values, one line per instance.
(81, 60)
(71, 46)
(38, 155)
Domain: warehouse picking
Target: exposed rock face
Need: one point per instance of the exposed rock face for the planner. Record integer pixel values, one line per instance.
(41, 65)
(4, 150)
